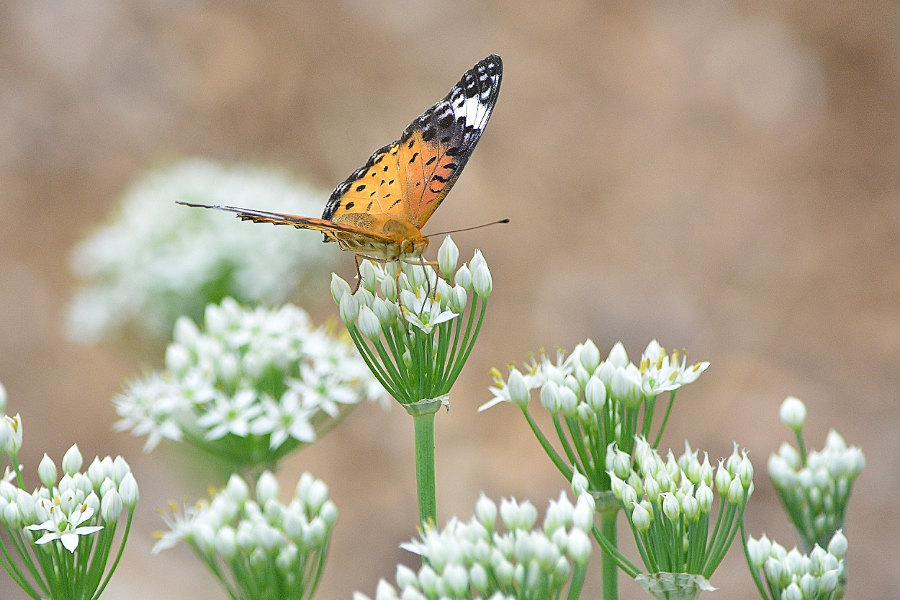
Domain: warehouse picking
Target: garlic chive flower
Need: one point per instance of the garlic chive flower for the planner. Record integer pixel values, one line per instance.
(153, 261)
(64, 531)
(814, 487)
(250, 386)
(509, 558)
(257, 547)
(669, 506)
(817, 575)
(595, 402)
(413, 327)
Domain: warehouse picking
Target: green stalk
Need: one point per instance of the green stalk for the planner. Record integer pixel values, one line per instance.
(424, 426)
(608, 566)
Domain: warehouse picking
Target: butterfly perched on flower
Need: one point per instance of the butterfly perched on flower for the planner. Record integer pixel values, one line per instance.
(379, 210)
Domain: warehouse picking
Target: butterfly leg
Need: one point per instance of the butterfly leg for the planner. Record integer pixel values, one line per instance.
(358, 275)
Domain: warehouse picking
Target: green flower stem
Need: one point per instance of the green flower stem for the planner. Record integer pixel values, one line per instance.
(662, 426)
(753, 572)
(609, 565)
(548, 448)
(577, 582)
(424, 427)
(118, 555)
(801, 446)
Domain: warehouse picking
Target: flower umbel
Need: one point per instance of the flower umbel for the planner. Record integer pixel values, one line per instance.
(818, 575)
(669, 506)
(251, 386)
(64, 531)
(595, 402)
(414, 329)
(814, 487)
(481, 558)
(257, 547)
(154, 261)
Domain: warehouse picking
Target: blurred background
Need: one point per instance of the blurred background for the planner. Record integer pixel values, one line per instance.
(721, 176)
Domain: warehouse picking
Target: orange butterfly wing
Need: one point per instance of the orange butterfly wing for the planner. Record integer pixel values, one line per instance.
(406, 181)
(378, 211)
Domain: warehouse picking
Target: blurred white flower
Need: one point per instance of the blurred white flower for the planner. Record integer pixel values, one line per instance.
(553, 554)
(231, 531)
(252, 385)
(153, 260)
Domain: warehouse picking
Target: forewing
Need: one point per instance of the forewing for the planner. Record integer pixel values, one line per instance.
(329, 228)
(407, 180)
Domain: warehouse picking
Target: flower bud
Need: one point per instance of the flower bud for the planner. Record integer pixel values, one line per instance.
(550, 397)
(518, 390)
(838, 544)
(579, 547)
(266, 488)
(792, 592)
(47, 471)
(368, 323)
(111, 506)
(128, 491)
(481, 278)
(72, 460)
(792, 413)
(448, 257)
(670, 506)
(463, 278)
(349, 309)
(641, 518)
(595, 394)
(486, 511)
(11, 438)
(339, 288)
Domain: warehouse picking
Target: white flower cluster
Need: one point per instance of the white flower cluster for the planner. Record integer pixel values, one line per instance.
(817, 492)
(78, 505)
(251, 374)
(791, 575)
(675, 487)
(584, 373)
(264, 543)
(475, 560)
(394, 290)
(669, 504)
(154, 260)
(414, 328)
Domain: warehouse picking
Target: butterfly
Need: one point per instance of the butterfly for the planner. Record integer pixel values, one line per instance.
(379, 210)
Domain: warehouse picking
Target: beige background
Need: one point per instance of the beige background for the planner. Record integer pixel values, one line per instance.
(722, 176)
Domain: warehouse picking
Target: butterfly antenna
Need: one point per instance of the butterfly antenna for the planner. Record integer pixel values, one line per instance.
(471, 228)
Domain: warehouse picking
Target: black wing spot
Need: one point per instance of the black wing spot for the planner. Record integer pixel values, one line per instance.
(451, 166)
(440, 179)
(360, 187)
(414, 157)
(349, 205)
(430, 161)
(411, 144)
